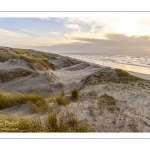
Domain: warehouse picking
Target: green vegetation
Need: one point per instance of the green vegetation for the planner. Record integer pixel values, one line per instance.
(62, 93)
(92, 93)
(3, 49)
(62, 100)
(7, 56)
(72, 61)
(75, 94)
(18, 51)
(19, 124)
(33, 58)
(13, 74)
(69, 61)
(109, 76)
(107, 102)
(36, 59)
(35, 62)
(36, 102)
(66, 122)
(125, 76)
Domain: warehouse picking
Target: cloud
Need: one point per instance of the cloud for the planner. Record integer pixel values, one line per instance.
(45, 18)
(29, 31)
(54, 33)
(128, 24)
(8, 33)
(72, 26)
(115, 44)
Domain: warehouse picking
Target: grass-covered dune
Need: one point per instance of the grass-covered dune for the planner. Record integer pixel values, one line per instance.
(24, 70)
(15, 73)
(35, 102)
(52, 120)
(32, 57)
(108, 75)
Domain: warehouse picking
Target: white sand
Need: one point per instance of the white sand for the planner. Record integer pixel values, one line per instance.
(133, 100)
(140, 75)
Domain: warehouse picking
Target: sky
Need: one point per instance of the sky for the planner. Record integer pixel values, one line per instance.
(109, 33)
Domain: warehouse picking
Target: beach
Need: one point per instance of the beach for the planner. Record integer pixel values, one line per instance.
(107, 99)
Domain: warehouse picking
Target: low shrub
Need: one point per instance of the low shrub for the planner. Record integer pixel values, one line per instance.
(75, 94)
(62, 100)
(36, 102)
(53, 122)
(13, 74)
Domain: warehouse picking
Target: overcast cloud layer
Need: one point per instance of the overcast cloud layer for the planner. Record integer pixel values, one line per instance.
(120, 34)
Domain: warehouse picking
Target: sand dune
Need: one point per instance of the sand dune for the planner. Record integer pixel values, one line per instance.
(111, 100)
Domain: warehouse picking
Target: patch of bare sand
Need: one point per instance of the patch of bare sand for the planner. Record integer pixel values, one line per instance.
(71, 76)
(140, 75)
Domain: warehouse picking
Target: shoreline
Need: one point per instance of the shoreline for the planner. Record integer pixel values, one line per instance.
(78, 91)
(140, 75)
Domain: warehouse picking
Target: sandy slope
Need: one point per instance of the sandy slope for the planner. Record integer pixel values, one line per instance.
(71, 76)
(140, 75)
(131, 112)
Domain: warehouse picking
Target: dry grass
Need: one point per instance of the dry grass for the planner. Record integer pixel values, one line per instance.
(51, 123)
(92, 93)
(18, 51)
(108, 76)
(6, 56)
(31, 57)
(125, 76)
(107, 102)
(62, 100)
(19, 124)
(41, 61)
(67, 122)
(13, 74)
(36, 102)
(75, 94)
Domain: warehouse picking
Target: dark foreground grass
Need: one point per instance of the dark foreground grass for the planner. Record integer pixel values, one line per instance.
(67, 122)
(19, 124)
(53, 122)
(36, 102)
(108, 103)
(75, 94)
(6, 76)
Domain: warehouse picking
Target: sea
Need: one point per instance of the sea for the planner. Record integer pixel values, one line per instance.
(136, 63)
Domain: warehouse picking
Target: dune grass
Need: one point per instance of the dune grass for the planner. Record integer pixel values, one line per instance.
(125, 76)
(35, 102)
(39, 54)
(109, 76)
(18, 51)
(107, 102)
(31, 57)
(5, 56)
(41, 61)
(19, 124)
(61, 100)
(65, 122)
(15, 73)
(75, 94)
